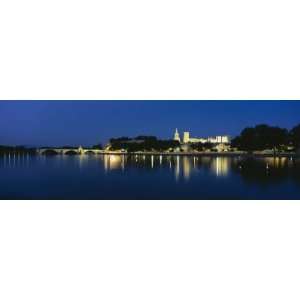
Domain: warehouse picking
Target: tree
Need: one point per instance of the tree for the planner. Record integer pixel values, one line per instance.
(197, 146)
(146, 138)
(247, 140)
(294, 136)
(16, 149)
(261, 137)
(208, 145)
(236, 142)
(143, 143)
(276, 138)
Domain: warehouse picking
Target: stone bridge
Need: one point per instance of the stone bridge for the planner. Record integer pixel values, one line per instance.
(79, 150)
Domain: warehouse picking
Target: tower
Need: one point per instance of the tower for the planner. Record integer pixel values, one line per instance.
(176, 136)
(186, 137)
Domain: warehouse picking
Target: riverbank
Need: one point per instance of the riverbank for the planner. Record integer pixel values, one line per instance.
(213, 154)
(149, 153)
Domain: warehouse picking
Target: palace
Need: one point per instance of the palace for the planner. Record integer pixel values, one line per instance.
(219, 139)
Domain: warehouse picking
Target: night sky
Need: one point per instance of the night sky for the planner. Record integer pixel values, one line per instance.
(58, 123)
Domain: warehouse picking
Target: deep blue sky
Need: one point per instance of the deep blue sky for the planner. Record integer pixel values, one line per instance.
(84, 122)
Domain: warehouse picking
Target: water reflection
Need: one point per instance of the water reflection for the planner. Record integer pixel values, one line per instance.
(177, 168)
(253, 170)
(13, 160)
(82, 159)
(185, 167)
(276, 162)
(148, 177)
(266, 171)
(114, 162)
(181, 166)
(220, 166)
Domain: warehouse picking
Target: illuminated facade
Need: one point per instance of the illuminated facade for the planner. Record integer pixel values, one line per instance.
(176, 136)
(186, 137)
(219, 139)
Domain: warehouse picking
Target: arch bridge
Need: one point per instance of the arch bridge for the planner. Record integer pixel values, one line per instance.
(79, 150)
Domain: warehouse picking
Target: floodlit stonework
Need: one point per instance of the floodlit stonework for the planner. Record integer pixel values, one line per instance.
(219, 139)
(176, 136)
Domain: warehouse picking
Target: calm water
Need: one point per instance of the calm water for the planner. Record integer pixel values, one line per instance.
(148, 177)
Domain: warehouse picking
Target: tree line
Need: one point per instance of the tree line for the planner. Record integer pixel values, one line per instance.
(142, 143)
(262, 137)
(16, 149)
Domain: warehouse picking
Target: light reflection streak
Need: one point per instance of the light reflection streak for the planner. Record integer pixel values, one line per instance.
(186, 167)
(123, 163)
(114, 162)
(82, 159)
(220, 166)
(177, 168)
(276, 162)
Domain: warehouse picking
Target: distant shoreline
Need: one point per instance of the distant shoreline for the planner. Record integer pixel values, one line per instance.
(214, 154)
(199, 154)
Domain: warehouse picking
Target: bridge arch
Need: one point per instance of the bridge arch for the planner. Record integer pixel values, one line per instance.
(70, 152)
(88, 152)
(49, 152)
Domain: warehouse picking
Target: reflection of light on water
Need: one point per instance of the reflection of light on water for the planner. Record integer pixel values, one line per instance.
(177, 168)
(221, 166)
(6, 160)
(105, 161)
(123, 162)
(160, 159)
(152, 161)
(82, 159)
(186, 167)
(194, 161)
(276, 162)
(112, 162)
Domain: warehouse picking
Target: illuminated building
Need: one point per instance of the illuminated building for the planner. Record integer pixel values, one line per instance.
(186, 137)
(176, 136)
(219, 139)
